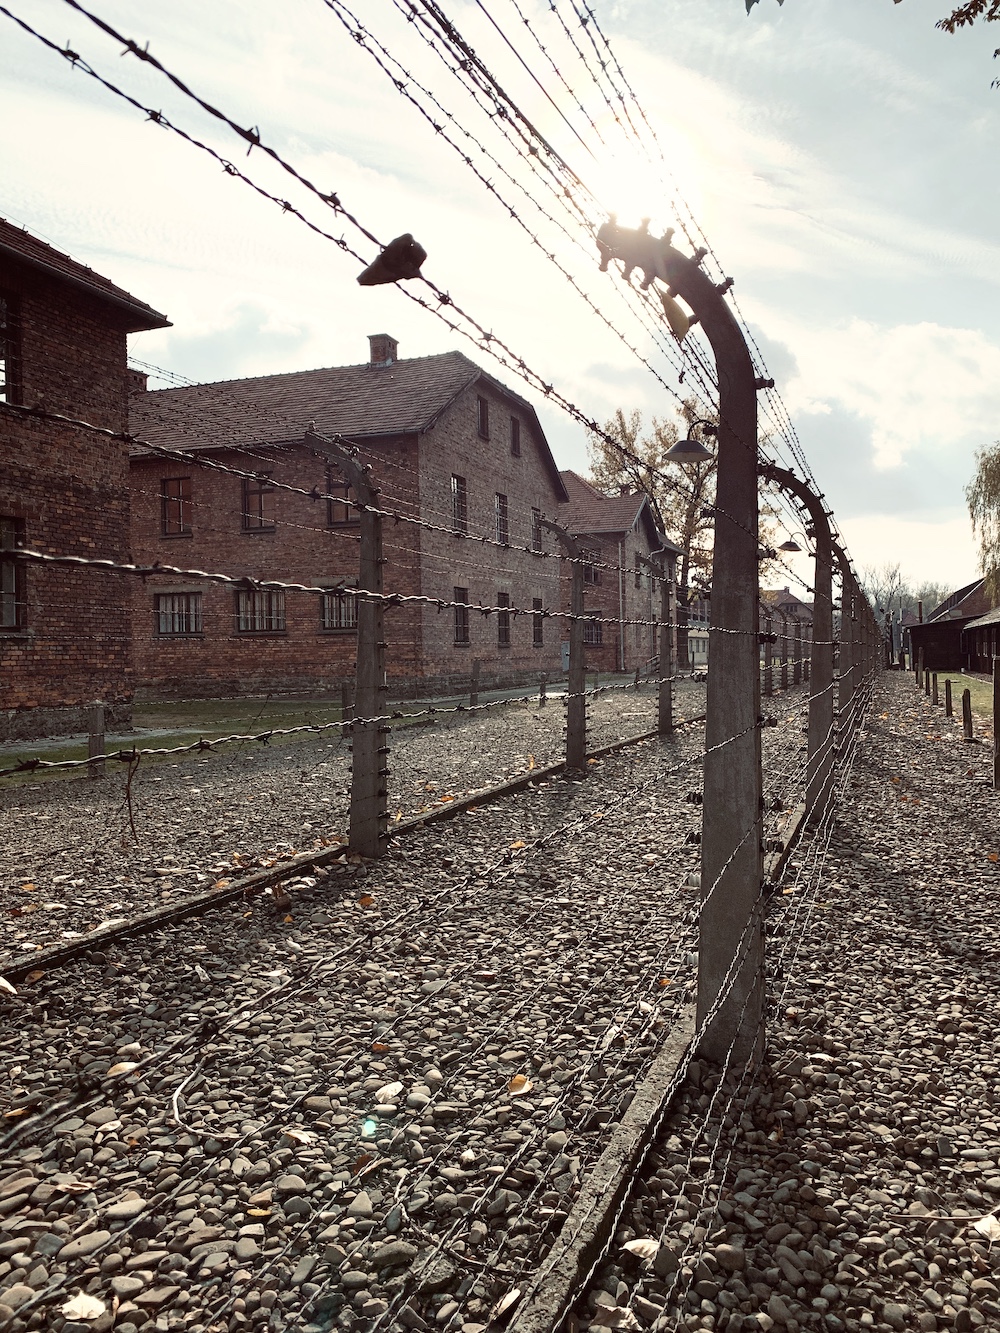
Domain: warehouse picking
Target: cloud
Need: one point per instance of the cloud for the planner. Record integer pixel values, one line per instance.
(921, 388)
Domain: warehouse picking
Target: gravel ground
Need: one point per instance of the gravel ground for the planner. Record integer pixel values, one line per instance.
(101, 851)
(840, 1190)
(366, 1105)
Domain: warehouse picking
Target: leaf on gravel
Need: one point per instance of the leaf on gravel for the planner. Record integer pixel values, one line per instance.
(299, 1135)
(287, 920)
(531, 761)
(12, 1115)
(83, 1306)
(123, 1067)
(221, 884)
(645, 1007)
(389, 1092)
(993, 857)
(365, 900)
(6, 987)
(28, 888)
(258, 1212)
(76, 1186)
(666, 981)
(988, 1226)
(379, 1046)
(516, 846)
(201, 973)
(505, 1303)
(361, 1162)
(520, 1083)
(643, 1249)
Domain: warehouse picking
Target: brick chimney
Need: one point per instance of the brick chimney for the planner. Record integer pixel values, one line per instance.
(135, 381)
(382, 350)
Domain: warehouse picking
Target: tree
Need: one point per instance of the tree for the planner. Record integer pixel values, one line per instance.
(983, 496)
(890, 592)
(682, 509)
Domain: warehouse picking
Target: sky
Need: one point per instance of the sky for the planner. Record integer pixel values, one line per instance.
(839, 156)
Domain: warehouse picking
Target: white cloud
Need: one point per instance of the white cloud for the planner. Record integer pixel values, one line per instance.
(920, 387)
(939, 551)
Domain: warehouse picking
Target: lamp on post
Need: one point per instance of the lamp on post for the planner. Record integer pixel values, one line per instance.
(691, 450)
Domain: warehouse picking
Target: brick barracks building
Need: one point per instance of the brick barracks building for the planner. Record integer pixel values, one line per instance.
(65, 634)
(445, 441)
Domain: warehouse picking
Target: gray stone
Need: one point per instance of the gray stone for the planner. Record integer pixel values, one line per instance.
(360, 1205)
(124, 1210)
(394, 1252)
(87, 1244)
(16, 1295)
(292, 1184)
(126, 1287)
(730, 1258)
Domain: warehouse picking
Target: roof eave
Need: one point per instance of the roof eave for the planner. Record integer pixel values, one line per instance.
(148, 318)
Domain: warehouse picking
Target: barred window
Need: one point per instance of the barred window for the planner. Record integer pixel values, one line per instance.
(515, 437)
(461, 615)
(459, 504)
(592, 630)
(339, 610)
(483, 417)
(537, 623)
(536, 529)
(590, 573)
(503, 620)
(12, 590)
(10, 349)
(175, 506)
(258, 503)
(502, 524)
(260, 612)
(338, 511)
(178, 613)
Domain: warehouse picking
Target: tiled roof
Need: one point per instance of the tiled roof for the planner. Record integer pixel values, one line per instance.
(15, 243)
(972, 600)
(991, 618)
(592, 513)
(361, 402)
(785, 600)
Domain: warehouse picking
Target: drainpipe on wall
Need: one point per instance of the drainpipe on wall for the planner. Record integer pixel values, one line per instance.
(621, 607)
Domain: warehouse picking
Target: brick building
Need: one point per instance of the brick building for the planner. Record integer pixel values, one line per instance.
(445, 441)
(788, 616)
(619, 531)
(64, 633)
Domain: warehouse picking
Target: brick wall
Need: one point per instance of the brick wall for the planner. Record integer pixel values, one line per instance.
(454, 446)
(302, 547)
(615, 598)
(69, 488)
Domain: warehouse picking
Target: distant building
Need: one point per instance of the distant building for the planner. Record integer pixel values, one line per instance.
(787, 615)
(942, 638)
(446, 441)
(621, 534)
(65, 634)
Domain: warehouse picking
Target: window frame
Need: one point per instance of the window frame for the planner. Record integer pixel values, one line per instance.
(537, 623)
(591, 574)
(179, 522)
(335, 624)
(13, 577)
(501, 516)
(536, 530)
(190, 617)
(459, 503)
(503, 620)
(259, 516)
(483, 417)
(10, 348)
(249, 608)
(339, 514)
(593, 630)
(515, 437)
(461, 617)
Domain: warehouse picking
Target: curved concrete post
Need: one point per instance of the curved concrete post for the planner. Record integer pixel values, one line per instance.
(850, 632)
(821, 733)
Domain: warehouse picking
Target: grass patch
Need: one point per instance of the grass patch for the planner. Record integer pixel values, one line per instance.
(980, 691)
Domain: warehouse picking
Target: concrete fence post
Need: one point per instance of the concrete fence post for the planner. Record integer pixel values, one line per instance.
(668, 648)
(768, 655)
(797, 661)
(369, 751)
(927, 683)
(784, 650)
(934, 688)
(967, 715)
(919, 666)
(576, 685)
(95, 740)
(543, 682)
(948, 711)
(346, 701)
(996, 721)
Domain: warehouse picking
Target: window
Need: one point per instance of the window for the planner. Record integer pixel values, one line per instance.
(338, 511)
(10, 350)
(502, 525)
(638, 570)
(258, 503)
(338, 610)
(592, 629)
(483, 417)
(459, 504)
(590, 573)
(12, 592)
(461, 615)
(175, 506)
(515, 437)
(503, 620)
(537, 633)
(178, 613)
(260, 612)
(536, 529)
